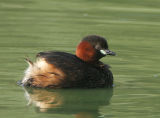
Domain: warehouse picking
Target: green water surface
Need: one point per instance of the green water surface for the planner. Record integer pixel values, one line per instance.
(132, 28)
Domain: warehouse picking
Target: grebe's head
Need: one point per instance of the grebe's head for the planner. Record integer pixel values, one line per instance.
(92, 48)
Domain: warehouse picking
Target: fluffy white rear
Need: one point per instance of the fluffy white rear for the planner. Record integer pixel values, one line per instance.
(40, 66)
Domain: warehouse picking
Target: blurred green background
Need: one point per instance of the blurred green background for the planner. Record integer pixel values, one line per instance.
(132, 28)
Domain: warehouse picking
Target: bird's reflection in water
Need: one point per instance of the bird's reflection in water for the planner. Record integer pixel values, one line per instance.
(83, 103)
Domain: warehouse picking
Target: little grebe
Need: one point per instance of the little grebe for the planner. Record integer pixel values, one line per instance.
(64, 70)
